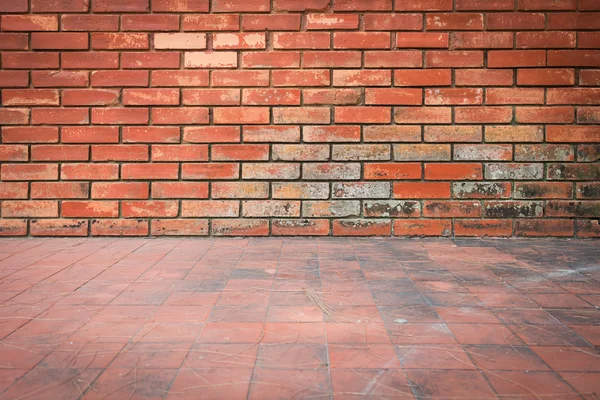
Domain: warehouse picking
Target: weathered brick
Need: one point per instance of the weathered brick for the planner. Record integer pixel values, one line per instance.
(270, 208)
(513, 171)
(240, 227)
(451, 209)
(331, 171)
(391, 208)
(300, 227)
(332, 208)
(362, 227)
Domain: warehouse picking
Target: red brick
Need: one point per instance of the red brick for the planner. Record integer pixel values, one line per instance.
(237, 41)
(514, 96)
(301, 115)
(574, 58)
(481, 40)
(396, 171)
(186, 227)
(30, 97)
(457, 59)
(142, 97)
(458, 171)
(453, 96)
(454, 21)
(90, 97)
(515, 21)
(120, 78)
(59, 227)
(331, 133)
(54, 116)
(240, 190)
(301, 78)
(432, 77)
(516, 58)
(363, 5)
(479, 115)
(13, 227)
(14, 41)
(15, 6)
(331, 21)
(149, 171)
(87, 172)
(246, 6)
(364, 227)
(361, 40)
(423, 5)
(528, 115)
(58, 190)
(392, 133)
(120, 6)
(152, 208)
(238, 78)
(180, 115)
(120, 190)
(212, 22)
(572, 134)
(422, 115)
(15, 78)
(514, 133)
(30, 208)
(14, 116)
(392, 96)
(28, 23)
(151, 134)
(240, 227)
(87, 60)
(158, 60)
(483, 77)
(241, 115)
(328, 59)
(14, 190)
(57, 152)
(271, 59)
(89, 23)
(29, 172)
(545, 40)
(485, 5)
(363, 115)
(573, 96)
(62, 41)
(331, 96)
(60, 78)
(537, 228)
(301, 40)
(307, 5)
(421, 190)
(125, 116)
(23, 60)
(150, 22)
(205, 97)
(120, 41)
(13, 152)
(588, 40)
(546, 77)
(242, 152)
(127, 152)
(272, 22)
(179, 152)
(119, 227)
(546, 5)
(210, 208)
(455, 133)
(588, 115)
(451, 209)
(271, 134)
(404, 22)
(180, 5)
(422, 227)
(482, 227)
(212, 171)
(179, 190)
(362, 78)
(301, 227)
(211, 134)
(90, 209)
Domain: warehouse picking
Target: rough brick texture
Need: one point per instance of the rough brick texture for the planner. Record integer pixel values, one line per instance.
(300, 117)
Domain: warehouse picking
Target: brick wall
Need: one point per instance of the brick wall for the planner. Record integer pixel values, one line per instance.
(300, 117)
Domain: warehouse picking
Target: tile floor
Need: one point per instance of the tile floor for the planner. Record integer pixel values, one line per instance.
(299, 318)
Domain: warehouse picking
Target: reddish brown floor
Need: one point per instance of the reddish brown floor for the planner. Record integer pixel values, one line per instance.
(299, 318)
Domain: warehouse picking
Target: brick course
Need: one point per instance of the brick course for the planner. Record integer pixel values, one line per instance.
(300, 117)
